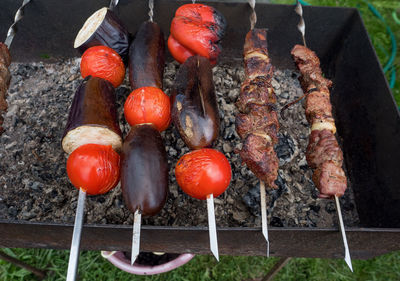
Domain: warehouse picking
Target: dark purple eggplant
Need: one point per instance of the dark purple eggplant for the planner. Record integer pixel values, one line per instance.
(93, 116)
(147, 57)
(144, 170)
(194, 108)
(104, 28)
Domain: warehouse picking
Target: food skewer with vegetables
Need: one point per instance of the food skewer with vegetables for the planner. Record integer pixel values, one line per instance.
(92, 135)
(204, 173)
(257, 124)
(144, 165)
(323, 154)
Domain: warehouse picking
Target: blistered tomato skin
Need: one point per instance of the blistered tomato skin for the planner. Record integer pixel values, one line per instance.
(94, 168)
(103, 62)
(148, 105)
(203, 172)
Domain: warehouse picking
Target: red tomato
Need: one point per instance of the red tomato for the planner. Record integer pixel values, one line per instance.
(203, 172)
(148, 105)
(103, 62)
(180, 53)
(94, 168)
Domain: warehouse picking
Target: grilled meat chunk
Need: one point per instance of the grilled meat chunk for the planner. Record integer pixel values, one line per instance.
(259, 155)
(323, 147)
(330, 180)
(261, 119)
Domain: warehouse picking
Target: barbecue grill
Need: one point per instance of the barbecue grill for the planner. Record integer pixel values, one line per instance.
(367, 119)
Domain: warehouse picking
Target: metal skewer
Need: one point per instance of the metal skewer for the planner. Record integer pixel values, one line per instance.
(12, 30)
(76, 237)
(264, 218)
(347, 257)
(212, 229)
(137, 223)
(113, 4)
(302, 28)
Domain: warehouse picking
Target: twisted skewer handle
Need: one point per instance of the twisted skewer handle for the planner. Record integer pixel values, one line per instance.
(151, 10)
(253, 16)
(113, 4)
(13, 28)
(301, 26)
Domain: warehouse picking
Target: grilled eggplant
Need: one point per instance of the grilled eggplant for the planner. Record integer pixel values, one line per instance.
(93, 116)
(147, 57)
(104, 28)
(194, 106)
(144, 170)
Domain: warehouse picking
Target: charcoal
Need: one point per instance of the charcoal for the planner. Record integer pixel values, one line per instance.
(34, 185)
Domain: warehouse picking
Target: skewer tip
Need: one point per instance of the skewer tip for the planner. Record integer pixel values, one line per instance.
(347, 257)
(264, 218)
(137, 221)
(212, 229)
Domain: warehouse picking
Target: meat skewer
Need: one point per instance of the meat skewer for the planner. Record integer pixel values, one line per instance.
(323, 152)
(257, 124)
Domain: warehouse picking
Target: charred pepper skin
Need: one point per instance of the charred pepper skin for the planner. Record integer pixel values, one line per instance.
(144, 170)
(196, 29)
(194, 108)
(147, 57)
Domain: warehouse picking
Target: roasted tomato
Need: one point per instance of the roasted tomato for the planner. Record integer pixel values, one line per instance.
(93, 168)
(103, 62)
(148, 105)
(203, 172)
(180, 53)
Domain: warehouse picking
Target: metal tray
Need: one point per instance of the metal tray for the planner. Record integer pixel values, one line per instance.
(367, 119)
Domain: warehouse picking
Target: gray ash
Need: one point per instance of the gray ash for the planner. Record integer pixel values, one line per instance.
(34, 184)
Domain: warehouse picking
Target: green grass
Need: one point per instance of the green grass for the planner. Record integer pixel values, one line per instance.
(93, 267)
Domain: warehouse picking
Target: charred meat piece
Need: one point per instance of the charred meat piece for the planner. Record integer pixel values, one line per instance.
(323, 147)
(93, 116)
(194, 108)
(323, 152)
(147, 57)
(255, 91)
(5, 57)
(258, 124)
(330, 179)
(104, 28)
(309, 66)
(144, 170)
(5, 78)
(259, 155)
(261, 119)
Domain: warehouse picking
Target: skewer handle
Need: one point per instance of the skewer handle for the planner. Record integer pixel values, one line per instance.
(347, 257)
(212, 229)
(113, 4)
(13, 30)
(301, 26)
(137, 223)
(76, 237)
(264, 218)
